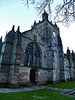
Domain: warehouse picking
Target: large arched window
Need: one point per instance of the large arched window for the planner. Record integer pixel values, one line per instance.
(32, 55)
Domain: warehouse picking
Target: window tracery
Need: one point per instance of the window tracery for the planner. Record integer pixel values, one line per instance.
(32, 55)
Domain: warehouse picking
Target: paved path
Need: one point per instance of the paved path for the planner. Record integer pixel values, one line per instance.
(7, 90)
(68, 92)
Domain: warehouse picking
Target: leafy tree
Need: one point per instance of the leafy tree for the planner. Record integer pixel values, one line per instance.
(64, 12)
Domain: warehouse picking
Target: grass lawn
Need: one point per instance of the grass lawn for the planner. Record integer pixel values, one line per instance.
(47, 94)
(68, 85)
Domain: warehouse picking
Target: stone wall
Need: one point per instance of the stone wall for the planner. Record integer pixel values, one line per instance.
(4, 78)
(24, 75)
(43, 75)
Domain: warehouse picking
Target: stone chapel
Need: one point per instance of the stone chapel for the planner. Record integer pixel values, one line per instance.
(35, 56)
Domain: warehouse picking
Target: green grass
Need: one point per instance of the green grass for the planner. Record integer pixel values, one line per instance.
(47, 94)
(68, 85)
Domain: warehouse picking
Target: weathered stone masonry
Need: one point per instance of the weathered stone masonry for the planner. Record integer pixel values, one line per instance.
(33, 56)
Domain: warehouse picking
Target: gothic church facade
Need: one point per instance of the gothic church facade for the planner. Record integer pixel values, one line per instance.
(33, 56)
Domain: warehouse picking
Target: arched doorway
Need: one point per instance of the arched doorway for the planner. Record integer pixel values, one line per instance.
(32, 76)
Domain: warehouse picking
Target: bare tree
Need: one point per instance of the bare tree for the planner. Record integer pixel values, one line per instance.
(40, 5)
(64, 12)
(28, 2)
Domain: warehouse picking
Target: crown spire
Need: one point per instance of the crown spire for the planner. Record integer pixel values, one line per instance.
(45, 16)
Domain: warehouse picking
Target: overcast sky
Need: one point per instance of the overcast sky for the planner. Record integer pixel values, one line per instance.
(13, 12)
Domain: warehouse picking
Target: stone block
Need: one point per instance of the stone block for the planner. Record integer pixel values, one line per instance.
(24, 74)
(3, 77)
(15, 78)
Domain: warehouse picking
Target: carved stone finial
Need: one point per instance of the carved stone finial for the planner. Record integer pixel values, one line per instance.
(73, 55)
(68, 53)
(34, 22)
(44, 11)
(39, 21)
(18, 29)
(67, 48)
(1, 38)
(55, 24)
(13, 27)
(72, 51)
